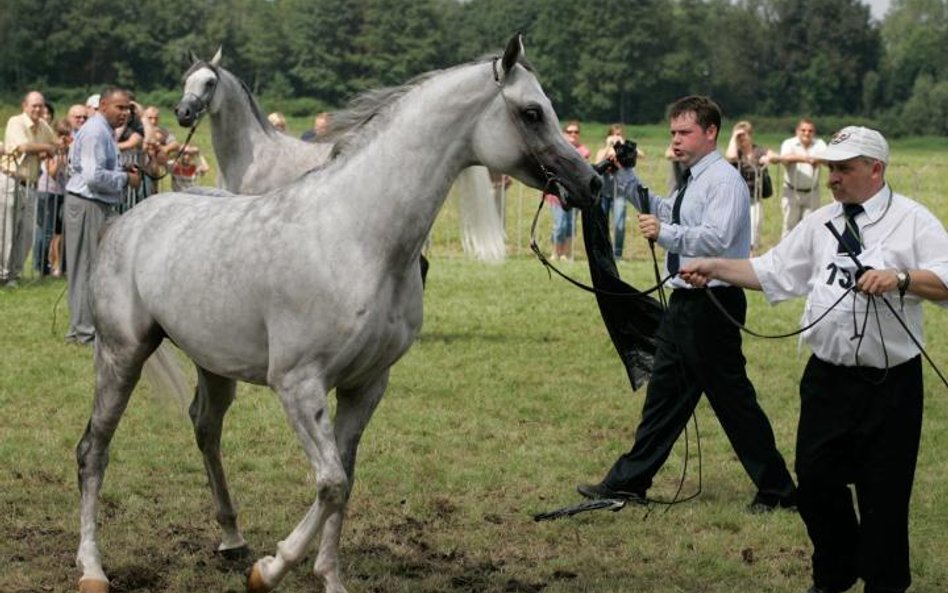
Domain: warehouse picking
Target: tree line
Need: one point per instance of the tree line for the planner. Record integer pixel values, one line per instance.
(608, 60)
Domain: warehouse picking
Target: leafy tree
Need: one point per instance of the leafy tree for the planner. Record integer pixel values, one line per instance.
(915, 36)
(394, 45)
(820, 51)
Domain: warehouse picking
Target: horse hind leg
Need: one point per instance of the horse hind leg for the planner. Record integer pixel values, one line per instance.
(306, 408)
(212, 398)
(118, 368)
(354, 410)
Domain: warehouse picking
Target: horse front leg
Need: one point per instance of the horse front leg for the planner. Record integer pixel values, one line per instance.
(305, 403)
(117, 372)
(354, 409)
(212, 398)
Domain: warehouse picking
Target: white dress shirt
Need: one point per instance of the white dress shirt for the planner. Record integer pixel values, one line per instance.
(896, 232)
(802, 177)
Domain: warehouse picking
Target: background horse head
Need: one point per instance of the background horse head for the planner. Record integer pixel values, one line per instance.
(322, 290)
(253, 156)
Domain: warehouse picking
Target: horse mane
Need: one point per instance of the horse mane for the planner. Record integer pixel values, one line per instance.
(258, 113)
(366, 114)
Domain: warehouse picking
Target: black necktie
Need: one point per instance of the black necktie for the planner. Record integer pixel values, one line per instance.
(673, 260)
(850, 236)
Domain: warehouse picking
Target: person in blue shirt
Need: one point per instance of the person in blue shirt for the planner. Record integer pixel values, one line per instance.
(699, 349)
(97, 183)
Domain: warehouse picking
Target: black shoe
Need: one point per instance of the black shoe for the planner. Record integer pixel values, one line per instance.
(602, 492)
(764, 503)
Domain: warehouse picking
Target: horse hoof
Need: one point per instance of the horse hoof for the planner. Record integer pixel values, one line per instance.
(93, 586)
(232, 554)
(255, 582)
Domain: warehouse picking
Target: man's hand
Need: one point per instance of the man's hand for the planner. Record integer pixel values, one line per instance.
(876, 282)
(134, 177)
(650, 226)
(697, 272)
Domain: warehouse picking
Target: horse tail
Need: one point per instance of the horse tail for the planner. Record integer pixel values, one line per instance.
(482, 229)
(165, 372)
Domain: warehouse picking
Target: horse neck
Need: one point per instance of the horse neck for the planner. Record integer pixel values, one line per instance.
(405, 172)
(235, 130)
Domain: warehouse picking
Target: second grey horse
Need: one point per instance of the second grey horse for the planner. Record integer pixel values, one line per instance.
(253, 156)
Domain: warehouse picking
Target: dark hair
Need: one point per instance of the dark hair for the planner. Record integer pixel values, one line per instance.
(707, 113)
(51, 110)
(111, 91)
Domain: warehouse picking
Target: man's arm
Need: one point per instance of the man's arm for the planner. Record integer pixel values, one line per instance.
(922, 283)
(738, 272)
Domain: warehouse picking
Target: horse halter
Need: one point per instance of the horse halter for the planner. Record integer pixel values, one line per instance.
(552, 184)
(201, 103)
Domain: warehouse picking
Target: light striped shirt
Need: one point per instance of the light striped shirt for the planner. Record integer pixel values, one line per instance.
(715, 214)
(94, 169)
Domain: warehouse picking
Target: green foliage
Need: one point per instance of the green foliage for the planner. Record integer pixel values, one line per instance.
(604, 60)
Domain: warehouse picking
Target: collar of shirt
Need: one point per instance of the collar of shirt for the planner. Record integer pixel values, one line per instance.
(703, 163)
(873, 208)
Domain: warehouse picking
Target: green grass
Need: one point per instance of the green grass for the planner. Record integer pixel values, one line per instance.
(510, 397)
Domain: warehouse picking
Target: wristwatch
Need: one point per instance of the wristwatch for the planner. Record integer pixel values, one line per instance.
(903, 278)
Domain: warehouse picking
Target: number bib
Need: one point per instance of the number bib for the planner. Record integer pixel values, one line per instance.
(832, 338)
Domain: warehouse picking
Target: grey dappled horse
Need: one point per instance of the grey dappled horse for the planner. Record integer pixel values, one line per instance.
(253, 156)
(308, 288)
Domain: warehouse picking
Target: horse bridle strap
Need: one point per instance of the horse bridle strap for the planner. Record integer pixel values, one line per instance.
(551, 182)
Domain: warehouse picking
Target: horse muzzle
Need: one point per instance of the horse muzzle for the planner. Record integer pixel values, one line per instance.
(188, 111)
(580, 195)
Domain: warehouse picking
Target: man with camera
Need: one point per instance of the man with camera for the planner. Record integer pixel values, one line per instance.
(699, 348)
(97, 183)
(617, 153)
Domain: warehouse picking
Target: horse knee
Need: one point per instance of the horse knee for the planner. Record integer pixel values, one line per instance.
(333, 490)
(88, 455)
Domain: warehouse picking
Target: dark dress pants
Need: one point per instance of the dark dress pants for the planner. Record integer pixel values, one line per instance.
(700, 352)
(859, 426)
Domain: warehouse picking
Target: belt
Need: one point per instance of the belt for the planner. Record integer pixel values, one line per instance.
(687, 293)
(800, 191)
(72, 193)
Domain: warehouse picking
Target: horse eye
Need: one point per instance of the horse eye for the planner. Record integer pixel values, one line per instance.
(533, 115)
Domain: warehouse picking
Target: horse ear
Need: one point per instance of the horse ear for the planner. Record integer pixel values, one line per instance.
(216, 60)
(192, 56)
(513, 52)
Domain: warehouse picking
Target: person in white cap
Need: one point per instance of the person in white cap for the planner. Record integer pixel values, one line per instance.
(92, 104)
(861, 399)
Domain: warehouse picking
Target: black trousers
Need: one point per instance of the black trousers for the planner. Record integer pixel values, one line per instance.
(859, 426)
(700, 352)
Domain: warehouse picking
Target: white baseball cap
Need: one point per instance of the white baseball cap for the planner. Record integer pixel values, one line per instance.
(93, 101)
(854, 141)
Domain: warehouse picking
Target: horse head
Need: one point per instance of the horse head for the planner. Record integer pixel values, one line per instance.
(519, 133)
(200, 82)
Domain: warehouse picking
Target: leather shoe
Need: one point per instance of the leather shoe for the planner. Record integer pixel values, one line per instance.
(602, 492)
(763, 504)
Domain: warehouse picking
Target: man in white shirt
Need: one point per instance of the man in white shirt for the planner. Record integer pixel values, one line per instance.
(27, 138)
(800, 194)
(861, 399)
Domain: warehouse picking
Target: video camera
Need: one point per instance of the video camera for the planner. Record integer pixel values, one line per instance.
(627, 154)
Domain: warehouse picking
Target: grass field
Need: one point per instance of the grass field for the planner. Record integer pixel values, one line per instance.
(511, 396)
